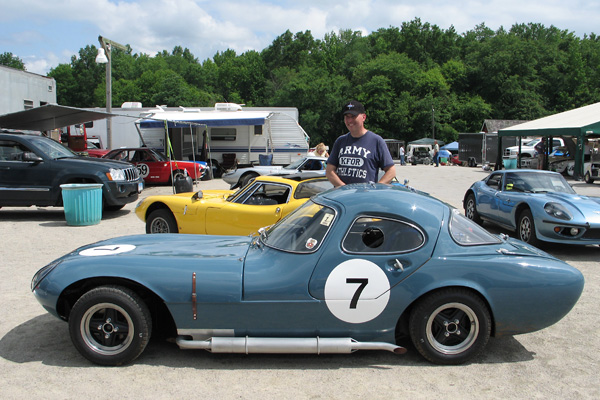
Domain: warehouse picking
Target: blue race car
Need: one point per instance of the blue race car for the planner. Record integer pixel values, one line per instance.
(361, 267)
(538, 205)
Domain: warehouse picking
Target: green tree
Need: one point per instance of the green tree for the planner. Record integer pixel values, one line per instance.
(10, 60)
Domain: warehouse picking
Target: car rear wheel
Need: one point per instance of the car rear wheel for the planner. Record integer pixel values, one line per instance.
(471, 210)
(161, 221)
(526, 228)
(110, 325)
(450, 326)
(244, 180)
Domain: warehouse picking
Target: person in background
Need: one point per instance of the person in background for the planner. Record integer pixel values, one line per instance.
(321, 150)
(401, 155)
(436, 153)
(540, 148)
(358, 155)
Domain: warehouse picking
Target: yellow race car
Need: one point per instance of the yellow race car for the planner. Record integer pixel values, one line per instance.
(262, 202)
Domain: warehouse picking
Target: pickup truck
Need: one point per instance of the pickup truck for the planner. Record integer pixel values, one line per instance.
(32, 168)
(528, 148)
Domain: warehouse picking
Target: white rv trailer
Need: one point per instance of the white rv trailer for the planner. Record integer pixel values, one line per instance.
(229, 129)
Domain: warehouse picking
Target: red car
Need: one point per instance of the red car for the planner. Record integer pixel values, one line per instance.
(154, 167)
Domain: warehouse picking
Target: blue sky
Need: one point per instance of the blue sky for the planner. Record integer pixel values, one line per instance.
(45, 33)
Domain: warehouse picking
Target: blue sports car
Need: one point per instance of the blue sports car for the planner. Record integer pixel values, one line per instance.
(538, 205)
(361, 267)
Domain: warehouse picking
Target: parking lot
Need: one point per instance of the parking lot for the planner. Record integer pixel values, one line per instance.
(37, 358)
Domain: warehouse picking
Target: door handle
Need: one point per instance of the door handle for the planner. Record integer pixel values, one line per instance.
(398, 265)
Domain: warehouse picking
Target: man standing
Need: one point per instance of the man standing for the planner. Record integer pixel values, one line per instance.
(401, 155)
(436, 153)
(357, 156)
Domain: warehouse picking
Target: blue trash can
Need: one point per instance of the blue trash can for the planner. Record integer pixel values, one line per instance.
(82, 203)
(510, 163)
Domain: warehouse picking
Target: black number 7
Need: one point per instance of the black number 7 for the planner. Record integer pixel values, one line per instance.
(363, 283)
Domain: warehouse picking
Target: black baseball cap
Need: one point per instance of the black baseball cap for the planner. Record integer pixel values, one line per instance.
(353, 107)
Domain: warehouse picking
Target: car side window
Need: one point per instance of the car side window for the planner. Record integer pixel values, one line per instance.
(494, 181)
(11, 150)
(307, 189)
(376, 235)
(264, 194)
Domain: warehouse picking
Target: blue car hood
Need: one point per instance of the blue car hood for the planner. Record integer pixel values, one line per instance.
(172, 246)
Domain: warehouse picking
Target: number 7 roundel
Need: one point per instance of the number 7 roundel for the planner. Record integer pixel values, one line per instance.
(357, 291)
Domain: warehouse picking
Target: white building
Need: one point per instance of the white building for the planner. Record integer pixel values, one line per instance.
(22, 90)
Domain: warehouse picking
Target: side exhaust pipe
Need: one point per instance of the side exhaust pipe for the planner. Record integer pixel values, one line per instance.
(249, 345)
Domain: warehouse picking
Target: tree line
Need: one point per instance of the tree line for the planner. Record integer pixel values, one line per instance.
(416, 80)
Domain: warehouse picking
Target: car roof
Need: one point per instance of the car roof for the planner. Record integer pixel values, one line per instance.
(379, 198)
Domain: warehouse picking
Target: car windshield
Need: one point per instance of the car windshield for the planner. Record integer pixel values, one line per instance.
(295, 165)
(537, 183)
(532, 143)
(53, 149)
(302, 231)
(467, 233)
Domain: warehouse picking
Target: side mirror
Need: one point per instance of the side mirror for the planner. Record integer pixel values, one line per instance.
(31, 157)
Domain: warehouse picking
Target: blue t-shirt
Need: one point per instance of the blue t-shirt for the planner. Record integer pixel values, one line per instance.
(359, 160)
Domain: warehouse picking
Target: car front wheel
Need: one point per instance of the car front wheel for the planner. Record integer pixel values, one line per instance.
(526, 228)
(588, 178)
(161, 221)
(110, 325)
(471, 210)
(450, 326)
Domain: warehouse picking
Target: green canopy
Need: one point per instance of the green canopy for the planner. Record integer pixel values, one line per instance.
(578, 123)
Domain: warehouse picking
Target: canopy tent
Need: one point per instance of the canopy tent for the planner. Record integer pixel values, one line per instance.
(450, 147)
(208, 118)
(578, 123)
(427, 141)
(48, 117)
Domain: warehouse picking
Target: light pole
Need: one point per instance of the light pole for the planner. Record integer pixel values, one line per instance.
(104, 57)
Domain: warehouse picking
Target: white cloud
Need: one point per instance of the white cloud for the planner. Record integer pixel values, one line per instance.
(33, 28)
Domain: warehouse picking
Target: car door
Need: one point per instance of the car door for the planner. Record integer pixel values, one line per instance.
(511, 193)
(376, 254)
(24, 181)
(487, 202)
(261, 204)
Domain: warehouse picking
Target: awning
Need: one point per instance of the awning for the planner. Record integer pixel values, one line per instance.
(181, 119)
(48, 117)
(578, 122)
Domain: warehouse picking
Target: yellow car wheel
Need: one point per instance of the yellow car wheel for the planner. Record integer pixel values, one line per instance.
(161, 221)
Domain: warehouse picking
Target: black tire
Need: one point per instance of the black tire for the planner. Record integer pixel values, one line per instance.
(588, 178)
(161, 221)
(246, 178)
(526, 228)
(471, 210)
(110, 325)
(450, 326)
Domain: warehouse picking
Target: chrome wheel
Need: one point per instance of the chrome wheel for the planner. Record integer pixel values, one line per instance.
(452, 328)
(161, 221)
(107, 328)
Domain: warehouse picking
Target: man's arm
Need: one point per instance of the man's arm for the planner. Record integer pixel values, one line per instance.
(390, 173)
(332, 175)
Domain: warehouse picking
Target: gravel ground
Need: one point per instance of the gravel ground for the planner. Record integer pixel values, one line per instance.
(37, 359)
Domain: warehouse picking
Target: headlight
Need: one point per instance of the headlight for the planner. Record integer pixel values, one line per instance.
(42, 273)
(116, 174)
(557, 210)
